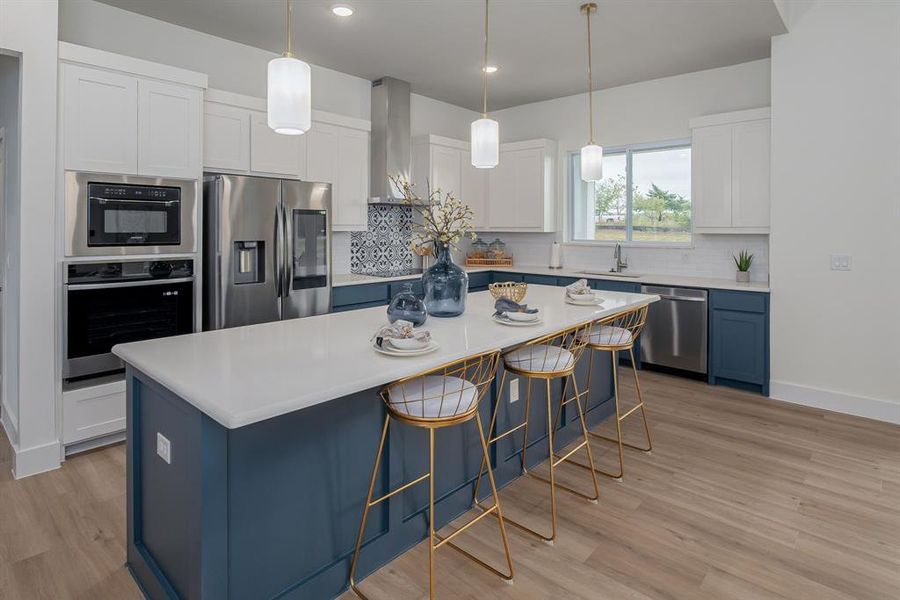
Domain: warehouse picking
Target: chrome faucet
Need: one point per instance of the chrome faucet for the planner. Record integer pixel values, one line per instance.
(621, 263)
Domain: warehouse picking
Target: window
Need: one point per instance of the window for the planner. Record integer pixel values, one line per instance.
(644, 197)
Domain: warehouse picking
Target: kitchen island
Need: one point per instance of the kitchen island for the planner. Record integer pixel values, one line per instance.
(250, 449)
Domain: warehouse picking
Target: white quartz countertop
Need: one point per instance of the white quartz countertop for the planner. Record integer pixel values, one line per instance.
(646, 278)
(245, 375)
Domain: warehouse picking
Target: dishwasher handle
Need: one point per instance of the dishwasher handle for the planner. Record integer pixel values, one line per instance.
(683, 298)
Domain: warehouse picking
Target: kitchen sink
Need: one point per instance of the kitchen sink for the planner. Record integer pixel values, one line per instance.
(612, 274)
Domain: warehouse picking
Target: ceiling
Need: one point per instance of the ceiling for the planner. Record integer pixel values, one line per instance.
(540, 45)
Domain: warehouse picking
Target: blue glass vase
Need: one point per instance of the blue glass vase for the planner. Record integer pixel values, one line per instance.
(407, 306)
(446, 285)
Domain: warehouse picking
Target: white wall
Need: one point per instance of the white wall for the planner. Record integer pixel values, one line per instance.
(9, 122)
(649, 111)
(29, 29)
(836, 176)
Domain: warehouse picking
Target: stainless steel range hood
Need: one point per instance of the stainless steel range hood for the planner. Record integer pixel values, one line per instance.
(391, 143)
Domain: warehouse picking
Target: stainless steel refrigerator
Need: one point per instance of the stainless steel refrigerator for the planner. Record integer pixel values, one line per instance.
(266, 250)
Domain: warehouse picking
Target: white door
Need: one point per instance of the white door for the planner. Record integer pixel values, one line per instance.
(474, 190)
(169, 121)
(272, 152)
(226, 137)
(750, 174)
(711, 176)
(100, 121)
(350, 194)
(446, 166)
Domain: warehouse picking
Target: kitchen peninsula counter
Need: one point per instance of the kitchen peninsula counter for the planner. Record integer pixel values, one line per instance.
(250, 449)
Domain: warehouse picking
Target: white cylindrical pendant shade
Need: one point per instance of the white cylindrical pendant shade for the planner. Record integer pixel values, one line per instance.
(485, 143)
(592, 163)
(289, 99)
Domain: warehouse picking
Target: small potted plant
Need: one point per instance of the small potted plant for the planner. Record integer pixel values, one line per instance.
(743, 261)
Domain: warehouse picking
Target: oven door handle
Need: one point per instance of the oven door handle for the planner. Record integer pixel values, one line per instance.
(125, 284)
(126, 201)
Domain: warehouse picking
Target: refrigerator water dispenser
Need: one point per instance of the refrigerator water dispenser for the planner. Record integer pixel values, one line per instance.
(249, 262)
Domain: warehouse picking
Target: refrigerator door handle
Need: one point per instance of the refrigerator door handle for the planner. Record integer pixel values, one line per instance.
(279, 251)
(288, 252)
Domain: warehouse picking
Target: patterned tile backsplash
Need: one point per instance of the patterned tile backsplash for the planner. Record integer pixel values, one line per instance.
(384, 247)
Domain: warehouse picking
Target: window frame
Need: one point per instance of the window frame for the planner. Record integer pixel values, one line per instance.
(628, 150)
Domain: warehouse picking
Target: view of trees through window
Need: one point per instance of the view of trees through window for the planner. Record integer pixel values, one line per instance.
(657, 208)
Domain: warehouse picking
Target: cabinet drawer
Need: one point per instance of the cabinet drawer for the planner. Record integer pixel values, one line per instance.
(755, 302)
(564, 281)
(498, 276)
(348, 307)
(615, 286)
(93, 412)
(359, 294)
(541, 279)
(399, 286)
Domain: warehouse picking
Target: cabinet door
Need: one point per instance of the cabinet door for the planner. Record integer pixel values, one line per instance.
(750, 174)
(528, 187)
(226, 138)
(351, 187)
(99, 121)
(169, 130)
(322, 154)
(501, 194)
(711, 176)
(474, 189)
(738, 344)
(272, 152)
(446, 169)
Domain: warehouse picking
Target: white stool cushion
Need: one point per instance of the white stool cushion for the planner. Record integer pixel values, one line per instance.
(433, 396)
(609, 335)
(540, 358)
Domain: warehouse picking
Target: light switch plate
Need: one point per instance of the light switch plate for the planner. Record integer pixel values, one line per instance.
(513, 390)
(841, 262)
(164, 448)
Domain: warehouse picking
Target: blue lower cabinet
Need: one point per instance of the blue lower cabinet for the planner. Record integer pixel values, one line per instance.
(478, 282)
(399, 286)
(615, 286)
(564, 281)
(352, 297)
(498, 276)
(739, 340)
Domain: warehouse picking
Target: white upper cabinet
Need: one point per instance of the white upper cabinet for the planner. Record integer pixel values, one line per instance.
(272, 152)
(169, 130)
(340, 156)
(99, 120)
(521, 188)
(226, 137)
(446, 163)
(731, 172)
(129, 116)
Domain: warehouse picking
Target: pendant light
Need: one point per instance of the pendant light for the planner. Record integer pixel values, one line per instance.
(592, 154)
(485, 132)
(289, 103)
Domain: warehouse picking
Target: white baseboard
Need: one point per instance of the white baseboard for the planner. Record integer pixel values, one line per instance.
(37, 459)
(860, 406)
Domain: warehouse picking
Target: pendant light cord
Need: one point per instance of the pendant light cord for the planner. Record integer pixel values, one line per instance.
(590, 78)
(290, 27)
(484, 73)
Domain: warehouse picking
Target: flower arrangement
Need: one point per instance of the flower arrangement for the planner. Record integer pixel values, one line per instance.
(445, 220)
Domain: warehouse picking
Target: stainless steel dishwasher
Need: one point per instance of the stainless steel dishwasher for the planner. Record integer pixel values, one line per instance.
(676, 332)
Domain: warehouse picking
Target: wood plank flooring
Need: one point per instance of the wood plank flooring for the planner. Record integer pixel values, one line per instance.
(741, 497)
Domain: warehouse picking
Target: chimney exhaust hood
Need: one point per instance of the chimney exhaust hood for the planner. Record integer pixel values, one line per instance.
(391, 138)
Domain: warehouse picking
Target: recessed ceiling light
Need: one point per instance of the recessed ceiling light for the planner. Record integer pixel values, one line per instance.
(342, 10)
(491, 69)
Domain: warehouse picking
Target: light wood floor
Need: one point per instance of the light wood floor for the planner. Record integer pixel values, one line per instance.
(741, 498)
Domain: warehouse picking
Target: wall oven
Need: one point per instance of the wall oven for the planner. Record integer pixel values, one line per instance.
(124, 214)
(111, 303)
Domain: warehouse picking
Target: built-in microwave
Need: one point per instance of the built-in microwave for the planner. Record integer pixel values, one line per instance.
(124, 214)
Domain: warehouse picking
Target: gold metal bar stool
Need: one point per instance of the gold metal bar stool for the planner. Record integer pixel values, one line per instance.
(549, 357)
(617, 334)
(442, 397)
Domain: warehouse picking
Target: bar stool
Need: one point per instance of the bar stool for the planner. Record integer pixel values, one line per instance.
(442, 397)
(550, 357)
(617, 334)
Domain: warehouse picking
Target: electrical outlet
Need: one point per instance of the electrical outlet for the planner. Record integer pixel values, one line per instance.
(840, 262)
(513, 390)
(164, 448)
